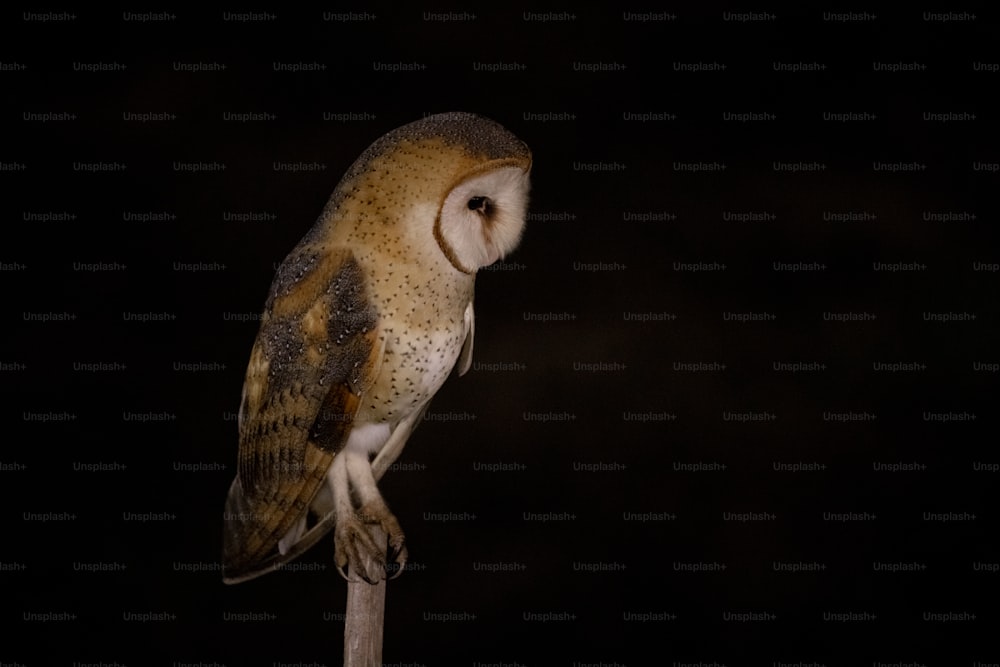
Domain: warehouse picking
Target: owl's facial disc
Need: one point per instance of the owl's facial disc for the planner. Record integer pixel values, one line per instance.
(482, 218)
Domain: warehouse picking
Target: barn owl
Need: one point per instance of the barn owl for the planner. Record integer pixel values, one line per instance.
(365, 319)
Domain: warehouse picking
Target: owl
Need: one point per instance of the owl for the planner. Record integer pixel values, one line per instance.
(365, 319)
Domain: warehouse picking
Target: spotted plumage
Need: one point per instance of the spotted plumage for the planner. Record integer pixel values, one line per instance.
(366, 318)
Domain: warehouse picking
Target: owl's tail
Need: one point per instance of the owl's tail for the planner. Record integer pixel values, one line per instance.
(239, 521)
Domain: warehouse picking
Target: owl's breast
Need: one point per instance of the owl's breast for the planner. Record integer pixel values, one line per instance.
(415, 365)
(423, 326)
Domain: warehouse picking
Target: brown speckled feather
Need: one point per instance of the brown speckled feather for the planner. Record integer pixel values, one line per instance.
(316, 352)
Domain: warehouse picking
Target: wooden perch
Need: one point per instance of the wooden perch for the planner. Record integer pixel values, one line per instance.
(365, 617)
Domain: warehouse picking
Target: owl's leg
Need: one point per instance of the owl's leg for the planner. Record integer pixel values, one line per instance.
(352, 470)
(374, 509)
(393, 446)
(353, 544)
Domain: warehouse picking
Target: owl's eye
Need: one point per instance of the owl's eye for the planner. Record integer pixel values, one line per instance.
(481, 204)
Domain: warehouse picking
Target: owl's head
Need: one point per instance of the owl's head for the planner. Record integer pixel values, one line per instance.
(455, 180)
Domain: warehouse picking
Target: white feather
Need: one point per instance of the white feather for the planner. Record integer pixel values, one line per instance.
(367, 438)
(475, 241)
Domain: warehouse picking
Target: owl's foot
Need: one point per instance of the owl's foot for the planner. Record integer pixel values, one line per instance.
(358, 551)
(377, 512)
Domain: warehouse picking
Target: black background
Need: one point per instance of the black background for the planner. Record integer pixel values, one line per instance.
(542, 318)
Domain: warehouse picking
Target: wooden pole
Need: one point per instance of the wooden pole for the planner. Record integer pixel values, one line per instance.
(365, 616)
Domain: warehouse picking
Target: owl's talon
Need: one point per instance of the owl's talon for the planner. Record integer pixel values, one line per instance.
(398, 554)
(399, 557)
(342, 560)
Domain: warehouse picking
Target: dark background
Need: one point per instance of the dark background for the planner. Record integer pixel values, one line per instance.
(112, 525)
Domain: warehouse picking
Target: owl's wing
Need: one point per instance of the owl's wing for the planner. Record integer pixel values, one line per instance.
(317, 352)
(465, 357)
